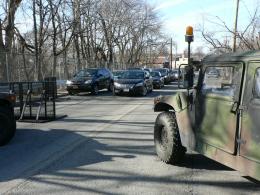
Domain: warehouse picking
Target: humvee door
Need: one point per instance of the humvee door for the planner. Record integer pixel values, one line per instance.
(216, 104)
(250, 130)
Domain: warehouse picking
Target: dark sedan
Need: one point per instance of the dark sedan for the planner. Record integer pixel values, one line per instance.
(174, 74)
(117, 73)
(165, 73)
(135, 82)
(90, 80)
(158, 80)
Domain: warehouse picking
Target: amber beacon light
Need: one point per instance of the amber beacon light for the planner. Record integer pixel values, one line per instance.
(189, 34)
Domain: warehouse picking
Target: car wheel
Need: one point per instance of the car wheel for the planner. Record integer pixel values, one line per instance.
(94, 89)
(144, 91)
(7, 125)
(70, 93)
(114, 92)
(110, 87)
(151, 89)
(167, 138)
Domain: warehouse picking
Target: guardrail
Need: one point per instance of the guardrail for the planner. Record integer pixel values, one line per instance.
(35, 101)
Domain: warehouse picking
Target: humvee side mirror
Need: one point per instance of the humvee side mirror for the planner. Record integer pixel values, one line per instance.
(187, 77)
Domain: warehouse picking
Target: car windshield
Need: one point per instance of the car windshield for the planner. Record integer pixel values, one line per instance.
(155, 74)
(86, 73)
(118, 73)
(132, 75)
(213, 72)
(162, 71)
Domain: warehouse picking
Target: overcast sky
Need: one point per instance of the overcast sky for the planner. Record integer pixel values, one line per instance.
(177, 14)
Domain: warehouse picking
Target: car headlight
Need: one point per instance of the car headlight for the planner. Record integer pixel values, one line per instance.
(88, 82)
(139, 84)
(117, 84)
(68, 82)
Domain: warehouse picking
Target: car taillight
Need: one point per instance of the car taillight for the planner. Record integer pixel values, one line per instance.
(12, 98)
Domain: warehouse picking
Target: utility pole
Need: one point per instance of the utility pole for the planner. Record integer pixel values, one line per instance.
(175, 55)
(235, 28)
(171, 55)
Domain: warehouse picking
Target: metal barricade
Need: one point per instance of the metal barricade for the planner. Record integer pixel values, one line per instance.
(35, 100)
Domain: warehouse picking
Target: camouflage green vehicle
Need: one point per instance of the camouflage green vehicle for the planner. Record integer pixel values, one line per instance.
(219, 117)
(7, 119)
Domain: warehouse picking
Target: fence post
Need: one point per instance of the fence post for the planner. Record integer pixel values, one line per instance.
(7, 67)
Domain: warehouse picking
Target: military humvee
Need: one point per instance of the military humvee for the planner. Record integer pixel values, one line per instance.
(7, 119)
(219, 117)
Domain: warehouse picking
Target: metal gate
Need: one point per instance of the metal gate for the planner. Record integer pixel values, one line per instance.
(35, 100)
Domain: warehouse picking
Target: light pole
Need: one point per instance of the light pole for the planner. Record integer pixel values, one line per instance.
(171, 55)
(176, 49)
(189, 39)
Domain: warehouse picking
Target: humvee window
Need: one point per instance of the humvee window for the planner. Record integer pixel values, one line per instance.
(220, 81)
(256, 91)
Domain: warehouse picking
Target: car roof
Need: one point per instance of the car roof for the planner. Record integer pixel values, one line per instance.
(161, 69)
(233, 57)
(135, 70)
(118, 70)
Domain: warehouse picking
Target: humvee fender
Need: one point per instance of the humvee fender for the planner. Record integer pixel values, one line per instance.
(179, 104)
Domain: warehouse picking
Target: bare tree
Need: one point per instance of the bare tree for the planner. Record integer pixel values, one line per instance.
(247, 38)
(6, 40)
(86, 33)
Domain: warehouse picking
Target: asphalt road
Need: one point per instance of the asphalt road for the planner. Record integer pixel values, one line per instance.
(105, 146)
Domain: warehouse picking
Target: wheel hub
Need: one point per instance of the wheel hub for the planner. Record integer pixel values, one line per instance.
(164, 137)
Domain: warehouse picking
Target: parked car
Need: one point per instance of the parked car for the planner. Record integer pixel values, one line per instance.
(148, 69)
(7, 119)
(174, 74)
(135, 82)
(90, 80)
(117, 73)
(213, 74)
(158, 80)
(135, 68)
(165, 73)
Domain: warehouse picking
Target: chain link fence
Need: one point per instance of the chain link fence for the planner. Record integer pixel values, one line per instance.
(19, 67)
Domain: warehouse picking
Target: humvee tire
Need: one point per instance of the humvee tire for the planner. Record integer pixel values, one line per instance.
(7, 125)
(167, 138)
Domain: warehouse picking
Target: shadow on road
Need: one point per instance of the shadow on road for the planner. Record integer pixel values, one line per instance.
(33, 147)
(99, 121)
(197, 161)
